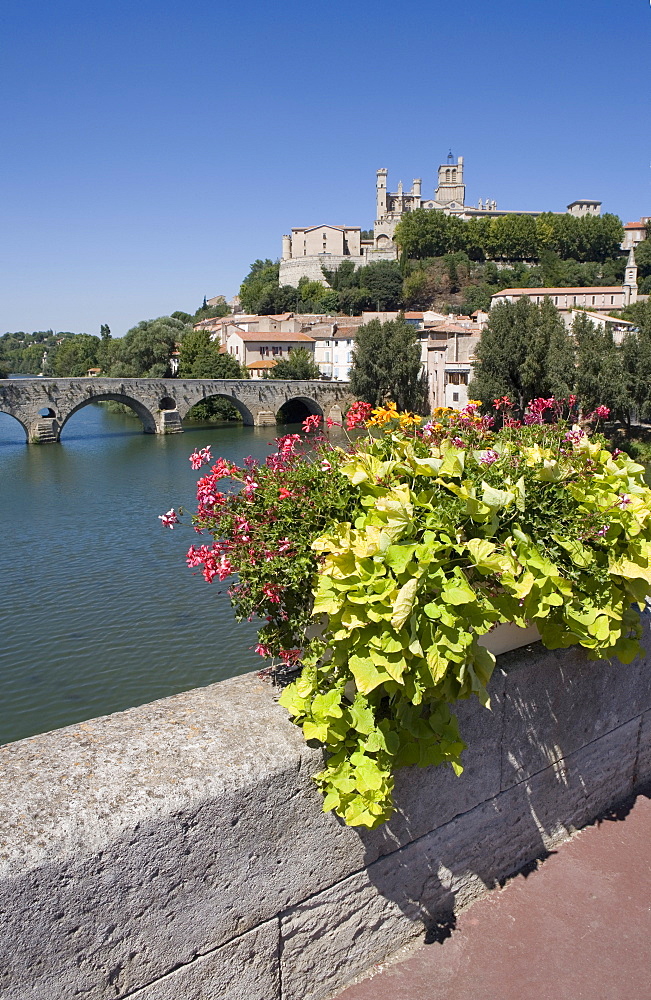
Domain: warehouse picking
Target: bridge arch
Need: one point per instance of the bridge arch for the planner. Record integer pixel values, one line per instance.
(244, 411)
(13, 417)
(139, 408)
(297, 408)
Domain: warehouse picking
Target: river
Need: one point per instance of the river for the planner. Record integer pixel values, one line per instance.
(99, 611)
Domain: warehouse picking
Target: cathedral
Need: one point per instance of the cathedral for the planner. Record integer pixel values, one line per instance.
(449, 197)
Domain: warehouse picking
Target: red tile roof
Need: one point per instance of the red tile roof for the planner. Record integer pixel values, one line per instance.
(274, 335)
(635, 225)
(591, 290)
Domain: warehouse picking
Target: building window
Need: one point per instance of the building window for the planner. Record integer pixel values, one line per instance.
(336, 373)
(276, 350)
(612, 299)
(594, 299)
(455, 397)
(456, 378)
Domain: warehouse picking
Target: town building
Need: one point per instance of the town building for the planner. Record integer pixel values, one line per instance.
(635, 232)
(598, 298)
(250, 349)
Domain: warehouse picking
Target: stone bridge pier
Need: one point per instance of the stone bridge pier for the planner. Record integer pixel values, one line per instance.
(43, 405)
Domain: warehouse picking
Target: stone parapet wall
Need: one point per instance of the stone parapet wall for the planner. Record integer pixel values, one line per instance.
(179, 849)
(292, 270)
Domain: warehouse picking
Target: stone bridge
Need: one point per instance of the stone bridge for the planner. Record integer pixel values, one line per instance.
(43, 405)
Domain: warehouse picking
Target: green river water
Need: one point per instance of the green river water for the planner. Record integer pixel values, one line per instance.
(99, 611)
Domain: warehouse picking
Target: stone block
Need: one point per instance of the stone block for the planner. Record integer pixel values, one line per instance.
(244, 969)
(556, 701)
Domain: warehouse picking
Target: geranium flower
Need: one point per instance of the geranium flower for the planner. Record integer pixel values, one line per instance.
(169, 519)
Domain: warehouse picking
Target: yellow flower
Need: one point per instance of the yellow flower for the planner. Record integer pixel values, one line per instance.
(408, 418)
(382, 415)
(474, 402)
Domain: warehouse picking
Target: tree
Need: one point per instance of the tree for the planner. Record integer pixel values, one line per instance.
(145, 350)
(299, 365)
(426, 233)
(524, 352)
(381, 284)
(387, 365)
(601, 372)
(261, 281)
(76, 355)
(209, 363)
(193, 343)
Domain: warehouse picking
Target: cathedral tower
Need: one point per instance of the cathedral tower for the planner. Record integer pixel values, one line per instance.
(451, 187)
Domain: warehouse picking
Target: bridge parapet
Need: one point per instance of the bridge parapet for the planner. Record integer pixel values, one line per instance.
(44, 405)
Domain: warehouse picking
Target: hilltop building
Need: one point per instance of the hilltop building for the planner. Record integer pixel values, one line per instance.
(449, 197)
(309, 248)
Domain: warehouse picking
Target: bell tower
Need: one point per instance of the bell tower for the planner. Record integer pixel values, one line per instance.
(451, 187)
(630, 279)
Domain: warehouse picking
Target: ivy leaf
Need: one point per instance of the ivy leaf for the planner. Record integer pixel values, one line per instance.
(403, 603)
(496, 498)
(366, 674)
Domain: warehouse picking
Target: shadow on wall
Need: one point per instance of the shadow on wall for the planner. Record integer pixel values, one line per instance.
(556, 750)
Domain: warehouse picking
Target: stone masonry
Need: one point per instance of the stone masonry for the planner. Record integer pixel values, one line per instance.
(179, 849)
(43, 405)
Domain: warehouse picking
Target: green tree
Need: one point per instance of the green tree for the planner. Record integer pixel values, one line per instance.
(299, 365)
(426, 233)
(387, 365)
(146, 349)
(643, 258)
(209, 363)
(601, 371)
(381, 284)
(193, 343)
(524, 352)
(75, 356)
(260, 285)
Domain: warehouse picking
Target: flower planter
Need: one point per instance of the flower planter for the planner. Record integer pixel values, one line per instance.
(508, 636)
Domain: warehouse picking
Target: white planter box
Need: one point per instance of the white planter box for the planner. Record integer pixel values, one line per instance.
(508, 636)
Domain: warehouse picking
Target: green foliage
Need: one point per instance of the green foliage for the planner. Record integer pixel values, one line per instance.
(260, 285)
(524, 352)
(425, 233)
(299, 365)
(145, 350)
(76, 355)
(643, 258)
(387, 365)
(448, 542)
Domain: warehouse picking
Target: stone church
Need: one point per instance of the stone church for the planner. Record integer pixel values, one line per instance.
(449, 197)
(309, 248)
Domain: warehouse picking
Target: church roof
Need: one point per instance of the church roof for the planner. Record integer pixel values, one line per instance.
(590, 290)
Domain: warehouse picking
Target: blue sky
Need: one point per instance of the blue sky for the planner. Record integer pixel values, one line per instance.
(153, 150)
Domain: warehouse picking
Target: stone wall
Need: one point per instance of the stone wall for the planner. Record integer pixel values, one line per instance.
(179, 849)
(292, 270)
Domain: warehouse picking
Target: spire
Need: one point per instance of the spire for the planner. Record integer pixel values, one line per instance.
(631, 259)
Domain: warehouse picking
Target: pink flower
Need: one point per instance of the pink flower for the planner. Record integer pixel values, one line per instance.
(169, 519)
(272, 592)
(601, 413)
(284, 493)
(332, 423)
(489, 457)
(284, 545)
(624, 500)
(312, 422)
(325, 465)
(358, 414)
(262, 650)
(199, 458)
